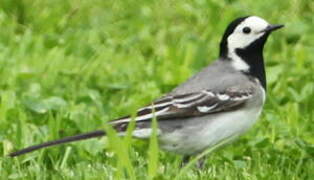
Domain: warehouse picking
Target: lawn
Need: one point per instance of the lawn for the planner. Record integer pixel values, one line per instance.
(70, 66)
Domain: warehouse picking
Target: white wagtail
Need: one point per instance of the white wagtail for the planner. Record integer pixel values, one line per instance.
(217, 104)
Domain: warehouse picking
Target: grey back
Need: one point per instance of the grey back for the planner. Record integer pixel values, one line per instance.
(216, 77)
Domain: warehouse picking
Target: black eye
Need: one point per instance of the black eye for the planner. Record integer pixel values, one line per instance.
(246, 30)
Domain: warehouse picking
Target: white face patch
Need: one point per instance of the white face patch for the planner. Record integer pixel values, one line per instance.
(240, 39)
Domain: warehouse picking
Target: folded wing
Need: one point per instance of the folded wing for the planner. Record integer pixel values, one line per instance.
(189, 105)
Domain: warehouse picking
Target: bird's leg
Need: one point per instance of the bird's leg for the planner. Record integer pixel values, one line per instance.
(185, 160)
(201, 163)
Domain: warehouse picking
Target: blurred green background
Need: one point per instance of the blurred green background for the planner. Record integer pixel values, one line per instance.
(69, 66)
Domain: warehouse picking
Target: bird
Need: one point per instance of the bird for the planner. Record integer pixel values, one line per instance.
(216, 105)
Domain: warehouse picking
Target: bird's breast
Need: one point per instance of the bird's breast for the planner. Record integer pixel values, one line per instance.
(198, 134)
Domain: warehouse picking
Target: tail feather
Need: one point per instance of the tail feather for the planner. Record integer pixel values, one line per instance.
(78, 137)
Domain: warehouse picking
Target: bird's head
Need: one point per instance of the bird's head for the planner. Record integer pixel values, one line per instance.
(245, 32)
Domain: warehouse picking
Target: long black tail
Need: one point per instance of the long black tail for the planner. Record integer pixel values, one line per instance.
(78, 137)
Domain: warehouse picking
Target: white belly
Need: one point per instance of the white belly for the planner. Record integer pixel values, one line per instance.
(206, 133)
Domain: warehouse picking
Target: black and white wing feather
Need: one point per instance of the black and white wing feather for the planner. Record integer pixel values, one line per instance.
(191, 105)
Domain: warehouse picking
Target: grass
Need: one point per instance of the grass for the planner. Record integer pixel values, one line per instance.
(70, 66)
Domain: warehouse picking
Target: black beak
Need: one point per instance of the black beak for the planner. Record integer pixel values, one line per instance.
(274, 27)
